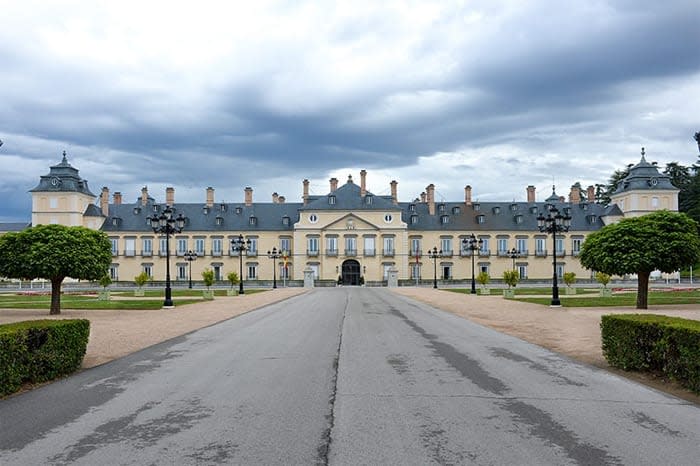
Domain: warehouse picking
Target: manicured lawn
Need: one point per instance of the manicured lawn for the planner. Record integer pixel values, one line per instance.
(524, 291)
(658, 298)
(81, 301)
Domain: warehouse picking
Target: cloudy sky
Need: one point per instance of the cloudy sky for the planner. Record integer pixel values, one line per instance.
(495, 94)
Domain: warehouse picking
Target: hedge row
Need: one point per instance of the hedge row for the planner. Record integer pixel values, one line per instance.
(648, 342)
(40, 350)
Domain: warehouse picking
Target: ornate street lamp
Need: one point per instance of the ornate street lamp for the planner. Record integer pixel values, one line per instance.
(434, 254)
(472, 244)
(274, 255)
(166, 225)
(240, 245)
(189, 257)
(554, 223)
(513, 254)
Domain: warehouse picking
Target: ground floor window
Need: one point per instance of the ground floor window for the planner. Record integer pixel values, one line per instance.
(522, 271)
(181, 272)
(446, 272)
(483, 268)
(148, 270)
(415, 271)
(252, 271)
(114, 272)
(217, 272)
(560, 271)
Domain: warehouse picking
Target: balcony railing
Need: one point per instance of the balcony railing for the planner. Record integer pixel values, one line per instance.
(369, 252)
(416, 252)
(162, 253)
(130, 252)
(523, 253)
(331, 252)
(447, 253)
(561, 253)
(541, 253)
(502, 252)
(351, 252)
(312, 252)
(575, 253)
(115, 252)
(465, 253)
(484, 252)
(146, 253)
(216, 253)
(388, 252)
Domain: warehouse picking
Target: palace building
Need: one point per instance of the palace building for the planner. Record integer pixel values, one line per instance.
(349, 233)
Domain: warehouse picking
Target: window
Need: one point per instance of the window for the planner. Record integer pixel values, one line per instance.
(388, 245)
(414, 219)
(181, 246)
(560, 271)
(217, 272)
(181, 272)
(252, 271)
(313, 218)
(456, 210)
(483, 268)
(522, 271)
(385, 272)
(446, 246)
(147, 269)
(415, 271)
(445, 219)
(219, 220)
(441, 208)
(388, 218)
(480, 219)
(446, 272)
(369, 248)
(285, 244)
(484, 246)
(130, 247)
(350, 246)
(53, 203)
(576, 246)
(559, 245)
(285, 220)
(415, 246)
(368, 199)
(314, 268)
(312, 245)
(502, 245)
(163, 246)
(216, 247)
(253, 248)
(521, 245)
(114, 272)
(115, 246)
(332, 245)
(253, 220)
(284, 271)
(147, 245)
(331, 200)
(654, 202)
(540, 246)
(411, 207)
(199, 246)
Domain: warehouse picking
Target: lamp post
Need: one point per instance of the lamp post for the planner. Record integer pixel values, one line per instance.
(189, 257)
(513, 254)
(554, 223)
(166, 225)
(434, 254)
(274, 255)
(240, 245)
(472, 244)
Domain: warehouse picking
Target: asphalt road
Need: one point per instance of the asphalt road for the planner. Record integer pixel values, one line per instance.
(347, 376)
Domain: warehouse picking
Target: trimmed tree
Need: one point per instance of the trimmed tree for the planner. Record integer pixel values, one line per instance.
(663, 240)
(54, 252)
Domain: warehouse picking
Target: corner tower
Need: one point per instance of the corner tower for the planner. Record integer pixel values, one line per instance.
(645, 190)
(62, 197)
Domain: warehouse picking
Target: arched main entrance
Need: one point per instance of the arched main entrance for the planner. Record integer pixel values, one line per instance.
(351, 272)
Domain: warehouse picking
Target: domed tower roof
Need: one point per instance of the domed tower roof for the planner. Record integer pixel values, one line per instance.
(644, 176)
(63, 178)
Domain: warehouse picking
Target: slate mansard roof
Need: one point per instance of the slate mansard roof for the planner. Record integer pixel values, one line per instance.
(63, 178)
(645, 176)
(449, 216)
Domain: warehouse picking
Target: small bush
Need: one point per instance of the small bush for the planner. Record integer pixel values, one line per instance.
(483, 278)
(569, 278)
(602, 278)
(40, 350)
(208, 277)
(648, 342)
(232, 277)
(141, 279)
(511, 278)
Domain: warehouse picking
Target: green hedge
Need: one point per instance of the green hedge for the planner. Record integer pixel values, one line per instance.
(648, 342)
(40, 350)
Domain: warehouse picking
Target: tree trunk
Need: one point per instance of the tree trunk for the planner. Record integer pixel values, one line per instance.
(642, 289)
(56, 296)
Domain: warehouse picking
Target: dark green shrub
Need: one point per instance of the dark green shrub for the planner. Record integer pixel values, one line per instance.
(649, 342)
(40, 350)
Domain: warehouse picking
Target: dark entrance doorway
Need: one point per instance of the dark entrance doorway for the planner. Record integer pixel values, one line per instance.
(351, 272)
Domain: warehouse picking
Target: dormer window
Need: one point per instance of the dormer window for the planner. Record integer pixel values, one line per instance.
(411, 207)
(591, 219)
(155, 207)
(476, 206)
(137, 210)
(414, 219)
(331, 199)
(222, 207)
(481, 219)
(456, 210)
(533, 209)
(253, 220)
(496, 210)
(285, 220)
(441, 207)
(584, 205)
(567, 211)
(116, 221)
(205, 210)
(514, 207)
(518, 219)
(368, 198)
(444, 219)
(219, 220)
(239, 210)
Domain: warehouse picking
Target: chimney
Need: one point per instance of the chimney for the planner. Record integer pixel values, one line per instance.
(468, 195)
(575, 194)
(275, 198)
(144, 195)
(591, 194)
(334, 184)
(281, 199)
(248, 196)
(170, 195)
(531, 194)
(104, 201)
(422, 197)
(117, 198)
(430, 189)
(363, 183)
(210, 197)
(305, 197)
(394, 195)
